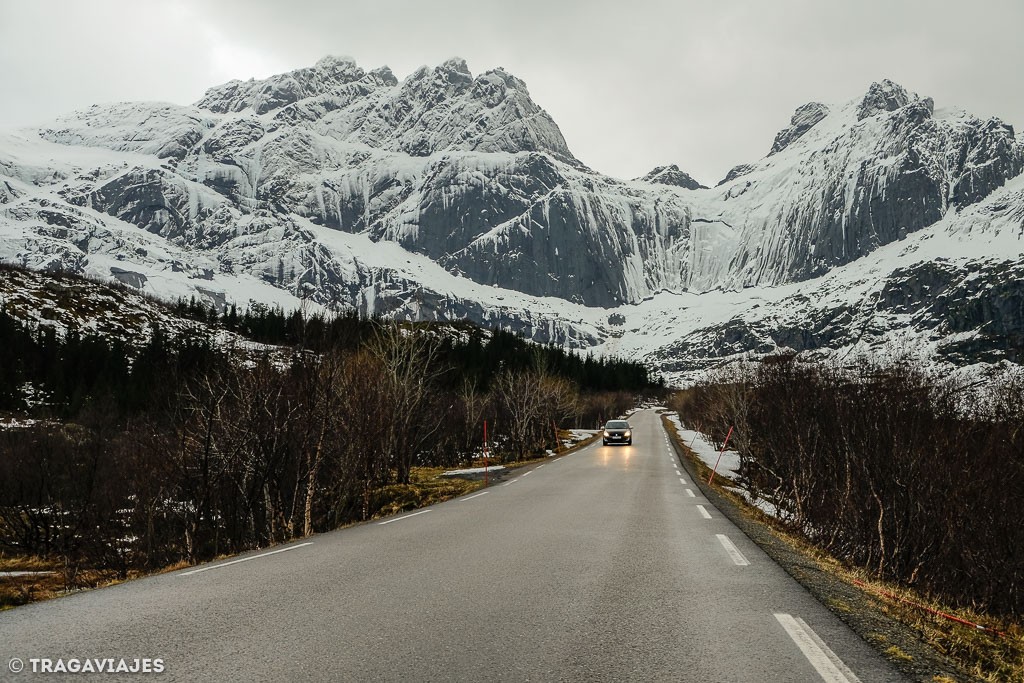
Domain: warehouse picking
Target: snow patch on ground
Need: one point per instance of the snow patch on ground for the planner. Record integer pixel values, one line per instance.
(16, 423)
(766, 506)
(729, 466)
(472, 470)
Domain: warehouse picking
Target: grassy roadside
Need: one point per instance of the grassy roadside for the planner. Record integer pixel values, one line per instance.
(50, 579)
(922, 646)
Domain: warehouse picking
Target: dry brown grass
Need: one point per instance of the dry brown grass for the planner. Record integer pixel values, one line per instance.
(24, 563)
(425, 487)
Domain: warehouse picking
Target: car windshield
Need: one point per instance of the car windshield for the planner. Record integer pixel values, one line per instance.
(617, 424)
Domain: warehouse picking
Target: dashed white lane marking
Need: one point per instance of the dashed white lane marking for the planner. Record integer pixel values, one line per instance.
(476, 495)
(734, 552)
(246, 559)
(539, 466)
(682, 481)
(690, 493)
(824, 661)
(511, 482)
(703, 513)
(399, 519)
(526, 474)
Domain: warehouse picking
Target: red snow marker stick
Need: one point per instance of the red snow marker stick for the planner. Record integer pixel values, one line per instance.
(720, 456)
(485, 453)
(929, 609)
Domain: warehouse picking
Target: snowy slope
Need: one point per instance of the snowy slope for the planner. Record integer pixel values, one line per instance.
(446, 196)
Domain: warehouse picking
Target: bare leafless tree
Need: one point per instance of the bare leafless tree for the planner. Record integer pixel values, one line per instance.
(411, 363)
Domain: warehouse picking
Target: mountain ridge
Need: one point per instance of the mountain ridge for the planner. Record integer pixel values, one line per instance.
(282, 188)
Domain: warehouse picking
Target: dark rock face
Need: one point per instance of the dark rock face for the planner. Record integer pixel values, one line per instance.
(736, 172)
(7, 193)
(585, 268)
(225, 143)
(485, 199)
(802, 121)
(128, 277)
(985, 298)
(974, 314)
(521, 223)
(153, 200)
(671, 175)
(826, 329)
(886, 205)
(882, 97)
(987, 157)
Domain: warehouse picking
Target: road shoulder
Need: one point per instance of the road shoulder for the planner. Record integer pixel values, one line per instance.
(862, 613)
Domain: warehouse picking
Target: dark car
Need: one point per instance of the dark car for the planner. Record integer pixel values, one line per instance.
(618, 431)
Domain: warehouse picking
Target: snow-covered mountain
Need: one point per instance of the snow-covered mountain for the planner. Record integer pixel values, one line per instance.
(446, 195)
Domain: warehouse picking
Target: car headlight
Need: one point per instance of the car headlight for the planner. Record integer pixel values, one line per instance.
(628, 433)
(606, 433)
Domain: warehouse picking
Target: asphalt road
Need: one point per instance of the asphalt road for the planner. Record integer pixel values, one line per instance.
(599, 565)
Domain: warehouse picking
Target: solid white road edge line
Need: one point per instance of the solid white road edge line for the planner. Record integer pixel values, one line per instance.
(399, 519)
(476, 495)
(703, 513)
(245, 559)
(852, 677)
(690, 493)
(824, 661)
(734, 552)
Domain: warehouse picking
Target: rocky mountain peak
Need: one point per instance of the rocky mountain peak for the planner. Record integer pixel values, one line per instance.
(383, 76)
(882, 97)
(280, 90)
(455, 64)
(329, 62)
(671, 175)
(450, 79)
(802, 121)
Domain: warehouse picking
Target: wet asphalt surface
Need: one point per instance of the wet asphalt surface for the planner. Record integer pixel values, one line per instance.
(596, 566)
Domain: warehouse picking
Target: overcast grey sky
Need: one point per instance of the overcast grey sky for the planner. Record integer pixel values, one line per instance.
(632, 83)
